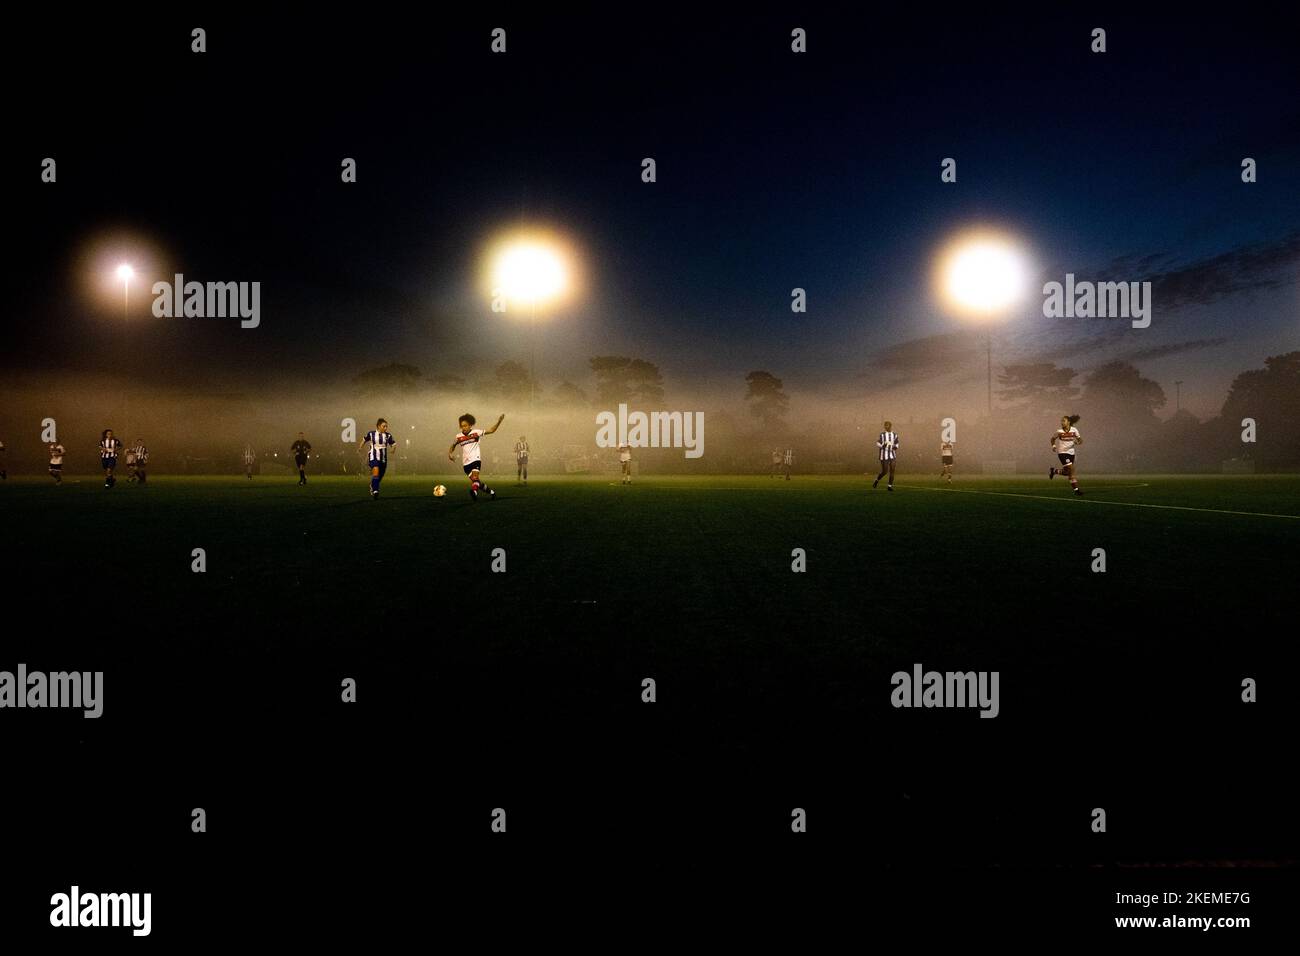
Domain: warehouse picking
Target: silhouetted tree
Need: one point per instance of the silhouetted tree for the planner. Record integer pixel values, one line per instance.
(767, 400)
(511, 381)
(394, 379)
(1036, 387)
(447, 383)
(1117, 390)
(566, 393)
(623, 379)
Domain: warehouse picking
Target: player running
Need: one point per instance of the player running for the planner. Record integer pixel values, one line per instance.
(250, 457)
(945, 454)
(141, 455)
(1064, 442)
(471, 457)
(521, 460)
(108, 449)
(56, 462)
(888, 445)
(379, 440)
(625, 463)
(301, 452)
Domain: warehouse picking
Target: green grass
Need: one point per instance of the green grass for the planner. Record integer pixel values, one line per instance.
(687, 580)
(685, 566)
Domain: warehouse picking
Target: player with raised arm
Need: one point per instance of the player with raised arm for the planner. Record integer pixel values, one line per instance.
(1064, 442)
(108, 449)
(301, 452)
(379, 440)
(888, 445)
(471, 457)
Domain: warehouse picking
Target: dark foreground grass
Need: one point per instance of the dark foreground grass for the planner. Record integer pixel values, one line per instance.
(533, 677)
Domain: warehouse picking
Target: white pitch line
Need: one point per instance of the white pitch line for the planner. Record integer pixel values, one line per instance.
(1095, 501)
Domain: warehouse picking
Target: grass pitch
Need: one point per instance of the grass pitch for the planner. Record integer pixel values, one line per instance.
(688, 581)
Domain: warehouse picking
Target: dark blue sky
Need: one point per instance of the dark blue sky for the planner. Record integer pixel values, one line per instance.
(775, 170)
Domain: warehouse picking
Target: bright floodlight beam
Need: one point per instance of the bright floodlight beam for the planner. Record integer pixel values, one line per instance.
(530, 272)
(125, 272)
(984, 276)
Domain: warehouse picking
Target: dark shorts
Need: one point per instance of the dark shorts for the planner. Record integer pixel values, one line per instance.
(381, 465)
(107, 463)
(54, 467)
(947, 459)
(300, 460)
(472, 465)
(1066, 459)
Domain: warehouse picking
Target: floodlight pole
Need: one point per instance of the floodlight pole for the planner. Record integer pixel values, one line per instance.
(988, 343)
(532, 360)
(126, 340)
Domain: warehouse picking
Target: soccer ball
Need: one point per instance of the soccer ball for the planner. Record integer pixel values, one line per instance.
(439, 490)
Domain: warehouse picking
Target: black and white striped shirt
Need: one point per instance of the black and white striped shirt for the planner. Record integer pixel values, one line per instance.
(141, 454)
(888, 445)
(521, 450)
(379, 442)
(109, 447)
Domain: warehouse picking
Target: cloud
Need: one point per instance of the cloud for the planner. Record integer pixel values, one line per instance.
(1173, 348)
(1266, 265)
(929, 356)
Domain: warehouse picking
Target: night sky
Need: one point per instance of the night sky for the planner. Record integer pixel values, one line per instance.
(775, 170)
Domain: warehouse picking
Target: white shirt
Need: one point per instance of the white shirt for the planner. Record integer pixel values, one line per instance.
(56, 455)
(1065, 440)
(946, 449)
(625, 454)
(469, 451)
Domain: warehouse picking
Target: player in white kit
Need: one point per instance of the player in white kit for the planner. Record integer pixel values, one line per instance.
(467, 440)
(1064, 442)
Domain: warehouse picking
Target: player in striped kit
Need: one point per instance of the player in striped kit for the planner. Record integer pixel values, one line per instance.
(1064, 441)
(471, 458)
(787, 461)
(108, 449)
(141, 455)
(56, 462)
(379, 440)
(521, 460)
(888, 445)
(250, 457)
(945, 454)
